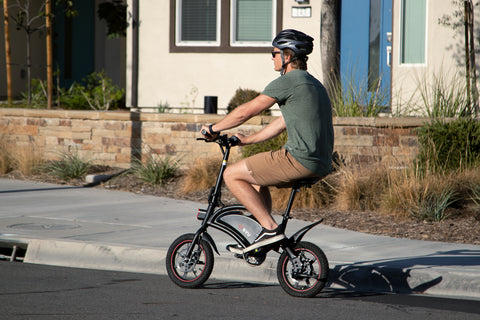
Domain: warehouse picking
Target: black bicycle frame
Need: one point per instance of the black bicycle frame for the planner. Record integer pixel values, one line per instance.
(212, 215)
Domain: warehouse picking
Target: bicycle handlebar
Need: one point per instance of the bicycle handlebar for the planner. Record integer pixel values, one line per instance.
(221, 139)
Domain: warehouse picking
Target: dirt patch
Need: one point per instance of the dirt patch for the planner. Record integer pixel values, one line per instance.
(460, 227)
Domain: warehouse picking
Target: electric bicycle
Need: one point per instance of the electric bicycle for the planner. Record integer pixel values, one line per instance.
(302, 268)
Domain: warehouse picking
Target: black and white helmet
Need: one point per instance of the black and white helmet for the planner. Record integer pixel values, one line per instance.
(297, 41)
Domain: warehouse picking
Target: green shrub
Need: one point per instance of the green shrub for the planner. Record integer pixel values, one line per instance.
(242, 96)
(97, 92)
(38, 97)
(449, 145)
(69, 166)
(155, 169)
(101, 93)
(72, 98)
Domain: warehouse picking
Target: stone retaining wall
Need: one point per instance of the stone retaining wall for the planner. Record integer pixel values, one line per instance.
(113, 138)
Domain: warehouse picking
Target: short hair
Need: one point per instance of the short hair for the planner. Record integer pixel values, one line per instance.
(297, 61)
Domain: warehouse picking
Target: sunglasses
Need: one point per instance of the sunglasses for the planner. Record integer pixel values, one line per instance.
(274, 53)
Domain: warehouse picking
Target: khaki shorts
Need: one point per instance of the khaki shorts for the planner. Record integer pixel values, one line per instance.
(276, 168)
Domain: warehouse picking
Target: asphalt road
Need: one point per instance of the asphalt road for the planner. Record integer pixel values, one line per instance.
(44, 292)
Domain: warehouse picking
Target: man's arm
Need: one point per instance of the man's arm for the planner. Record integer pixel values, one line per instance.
(272, 130)
(242, 113)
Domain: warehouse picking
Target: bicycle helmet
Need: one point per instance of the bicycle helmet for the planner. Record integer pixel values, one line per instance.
(297, 41)
(300, 43)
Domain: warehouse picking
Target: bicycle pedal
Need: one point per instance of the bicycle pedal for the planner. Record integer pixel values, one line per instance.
(236, 249)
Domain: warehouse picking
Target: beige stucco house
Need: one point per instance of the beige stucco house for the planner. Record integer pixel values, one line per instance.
(179, 67)
(177, 52)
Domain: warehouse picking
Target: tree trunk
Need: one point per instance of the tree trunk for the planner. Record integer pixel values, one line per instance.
(48, 14)
(330, 34)
(8, 58)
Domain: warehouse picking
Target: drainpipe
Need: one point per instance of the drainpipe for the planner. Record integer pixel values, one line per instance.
(135, 26)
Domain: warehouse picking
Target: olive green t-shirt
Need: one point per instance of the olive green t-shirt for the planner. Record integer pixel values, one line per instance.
(307, 111)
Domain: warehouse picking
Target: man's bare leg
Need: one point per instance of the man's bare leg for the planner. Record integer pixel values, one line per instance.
(256, 199)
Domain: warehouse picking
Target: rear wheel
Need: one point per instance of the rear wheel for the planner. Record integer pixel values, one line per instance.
(306, 275)
(189, 271)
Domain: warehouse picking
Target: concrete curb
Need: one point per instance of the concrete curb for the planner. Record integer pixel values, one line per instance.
(135, 259)
(103, 256)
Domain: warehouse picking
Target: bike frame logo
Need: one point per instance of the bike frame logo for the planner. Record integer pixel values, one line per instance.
(244, 230)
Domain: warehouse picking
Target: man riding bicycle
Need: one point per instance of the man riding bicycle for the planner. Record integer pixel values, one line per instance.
(307, 117)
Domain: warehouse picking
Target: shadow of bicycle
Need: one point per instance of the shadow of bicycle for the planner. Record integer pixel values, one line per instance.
(394, 275)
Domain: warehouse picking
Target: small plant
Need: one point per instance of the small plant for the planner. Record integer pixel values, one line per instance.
(38, 94)
(155, 169)
(190, 98)
(431, 204)
(163, 107)
(445, 98)
(357, 99)
(474, 194)
(101, 93)
(69, 166)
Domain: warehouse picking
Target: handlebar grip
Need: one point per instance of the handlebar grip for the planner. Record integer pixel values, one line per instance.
(234, 140)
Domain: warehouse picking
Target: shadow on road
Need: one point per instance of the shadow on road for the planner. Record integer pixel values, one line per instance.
(392, 275)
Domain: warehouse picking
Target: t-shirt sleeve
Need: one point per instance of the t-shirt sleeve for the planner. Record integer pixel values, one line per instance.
(279, 89)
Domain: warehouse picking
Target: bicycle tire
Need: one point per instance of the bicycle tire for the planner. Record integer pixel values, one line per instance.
(189, 272)
(312, 276)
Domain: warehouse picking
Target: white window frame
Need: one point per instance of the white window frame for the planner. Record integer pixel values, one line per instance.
(233, 29)
(425, 58)
(178, 28)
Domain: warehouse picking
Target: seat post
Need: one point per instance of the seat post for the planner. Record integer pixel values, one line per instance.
(295, 189)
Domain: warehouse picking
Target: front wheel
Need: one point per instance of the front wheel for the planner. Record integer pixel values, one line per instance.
(189, 271)
(306, 275)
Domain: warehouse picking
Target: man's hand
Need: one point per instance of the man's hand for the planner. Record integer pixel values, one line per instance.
(206, 133)
(242, 138)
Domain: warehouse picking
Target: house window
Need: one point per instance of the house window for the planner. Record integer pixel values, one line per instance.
(252, 22)
(413, 31)
(224, 26)
(198, 22)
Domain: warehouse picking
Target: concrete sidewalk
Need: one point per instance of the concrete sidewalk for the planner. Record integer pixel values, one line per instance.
(112, 230)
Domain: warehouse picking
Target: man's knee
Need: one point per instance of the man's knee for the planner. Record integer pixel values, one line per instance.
(227, 175)
(236, 173)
